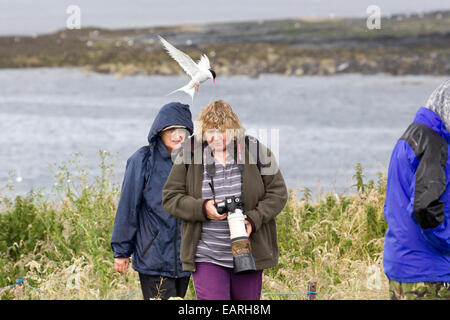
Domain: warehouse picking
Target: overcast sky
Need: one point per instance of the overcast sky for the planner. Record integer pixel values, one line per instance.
(44, 16)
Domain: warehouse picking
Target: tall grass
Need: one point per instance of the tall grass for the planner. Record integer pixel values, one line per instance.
(59, 241)
(336, 241)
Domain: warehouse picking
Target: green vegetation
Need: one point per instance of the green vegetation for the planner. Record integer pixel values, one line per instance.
(336, 241)
(59, 241)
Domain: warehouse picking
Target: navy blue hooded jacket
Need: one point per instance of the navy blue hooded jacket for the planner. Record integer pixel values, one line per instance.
(142, 228)
(417, 207)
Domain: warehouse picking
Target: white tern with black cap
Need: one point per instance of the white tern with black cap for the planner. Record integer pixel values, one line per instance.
(199, 72)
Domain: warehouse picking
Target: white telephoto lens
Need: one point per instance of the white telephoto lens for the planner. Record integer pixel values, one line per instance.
(237, 225)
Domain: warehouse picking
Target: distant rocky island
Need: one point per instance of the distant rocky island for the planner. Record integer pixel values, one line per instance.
(405, 44)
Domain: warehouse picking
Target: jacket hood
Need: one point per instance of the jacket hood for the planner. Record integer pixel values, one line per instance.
(439, 102)
(171, 114)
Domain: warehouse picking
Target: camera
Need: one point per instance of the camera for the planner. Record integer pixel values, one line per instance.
(240, 245)
(229, 205)
(221, 207)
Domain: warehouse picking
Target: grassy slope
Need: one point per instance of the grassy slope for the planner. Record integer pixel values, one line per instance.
(59, 242)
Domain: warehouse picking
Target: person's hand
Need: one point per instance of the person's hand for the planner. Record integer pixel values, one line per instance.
(121, 264)
(211, 211)
(248, 227)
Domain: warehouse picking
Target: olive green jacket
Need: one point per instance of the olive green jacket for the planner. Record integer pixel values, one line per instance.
(264, 198)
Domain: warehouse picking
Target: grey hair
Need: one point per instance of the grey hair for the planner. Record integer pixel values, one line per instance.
(439, 102)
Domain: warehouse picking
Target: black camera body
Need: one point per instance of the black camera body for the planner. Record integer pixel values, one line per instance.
(230, 204)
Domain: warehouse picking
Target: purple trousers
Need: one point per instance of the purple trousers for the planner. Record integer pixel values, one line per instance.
(213, 282)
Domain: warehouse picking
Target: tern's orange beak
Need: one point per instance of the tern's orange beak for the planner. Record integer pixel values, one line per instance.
(214, 80)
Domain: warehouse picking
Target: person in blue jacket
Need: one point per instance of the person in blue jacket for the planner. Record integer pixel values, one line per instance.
(142, 228)
(416, 256)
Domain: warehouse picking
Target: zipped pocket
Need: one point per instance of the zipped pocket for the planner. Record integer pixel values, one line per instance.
(150, 244)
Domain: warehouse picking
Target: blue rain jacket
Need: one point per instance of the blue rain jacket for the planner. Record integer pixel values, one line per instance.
(417, 207)
(142, 228)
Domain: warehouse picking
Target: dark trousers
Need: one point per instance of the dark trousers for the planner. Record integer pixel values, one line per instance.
(159, 287)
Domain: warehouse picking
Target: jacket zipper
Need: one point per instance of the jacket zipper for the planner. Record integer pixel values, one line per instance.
(149, 245)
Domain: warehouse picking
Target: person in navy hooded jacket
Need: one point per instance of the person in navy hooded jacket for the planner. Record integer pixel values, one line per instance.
(142, 228)
(416, 256)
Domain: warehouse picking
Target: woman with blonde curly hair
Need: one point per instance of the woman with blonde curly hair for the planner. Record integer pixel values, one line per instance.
(226, 167)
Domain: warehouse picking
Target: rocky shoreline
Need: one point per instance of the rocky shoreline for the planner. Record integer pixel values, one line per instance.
(414, 44)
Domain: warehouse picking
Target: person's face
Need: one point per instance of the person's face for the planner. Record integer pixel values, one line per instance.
(216, 139)
(173, 138)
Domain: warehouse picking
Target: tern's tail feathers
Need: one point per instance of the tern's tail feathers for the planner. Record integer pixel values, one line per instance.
(190, 90)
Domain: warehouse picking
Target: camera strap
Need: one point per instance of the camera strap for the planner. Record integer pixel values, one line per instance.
(211, 170)
(211, 167)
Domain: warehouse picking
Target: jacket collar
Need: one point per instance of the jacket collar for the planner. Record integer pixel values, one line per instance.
(431, 119)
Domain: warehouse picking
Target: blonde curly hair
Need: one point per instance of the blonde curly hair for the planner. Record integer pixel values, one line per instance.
(220, 116)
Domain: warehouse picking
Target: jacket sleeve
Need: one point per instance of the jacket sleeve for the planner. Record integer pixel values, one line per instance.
(430, 184)
(126, 221)
(428, 208)
(276, 194)
(175, 199)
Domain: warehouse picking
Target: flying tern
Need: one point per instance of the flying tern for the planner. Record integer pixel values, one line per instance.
(199, 72)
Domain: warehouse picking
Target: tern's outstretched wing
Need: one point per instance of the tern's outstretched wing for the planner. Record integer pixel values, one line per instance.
(203, 63)
(189, 66)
